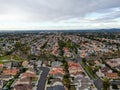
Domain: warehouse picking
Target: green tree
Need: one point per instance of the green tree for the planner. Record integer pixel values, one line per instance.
(106, 84)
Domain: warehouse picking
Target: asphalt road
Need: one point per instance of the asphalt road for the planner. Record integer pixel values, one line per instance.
(43, 78)
(98, 83)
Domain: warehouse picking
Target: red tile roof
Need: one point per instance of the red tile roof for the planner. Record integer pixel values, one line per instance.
(1, 65)
(27, 74)
(72, 64)
(10, 71)
(97, 62)
(111, 75)
(57, 70)
(66, 49)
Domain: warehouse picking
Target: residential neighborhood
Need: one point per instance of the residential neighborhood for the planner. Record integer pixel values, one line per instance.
(59, 61)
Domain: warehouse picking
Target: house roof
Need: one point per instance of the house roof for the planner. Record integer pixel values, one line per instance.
(10, 71)
(58, 87)
(1, 65)
(105, 69)
(16, 64)
(57, 83)
(25, 79)
(27, 74)
(73, 65)
(57, 70)
(9, 64)
(112, 63)
(23, 87)
(66, 49)
(56, 63)
(97, 62)
(111, 75)
(55, 80)
(5, 76)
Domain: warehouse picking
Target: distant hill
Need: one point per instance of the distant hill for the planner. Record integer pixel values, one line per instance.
(44, 31)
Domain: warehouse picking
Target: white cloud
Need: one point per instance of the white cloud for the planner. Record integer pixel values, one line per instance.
(59, 14)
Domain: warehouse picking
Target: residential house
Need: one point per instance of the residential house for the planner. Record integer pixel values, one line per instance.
(57, 85)
(97, 63)
(105, 70)
(29, 74)
(67, 53)
(23, 80)
(56, 64)
(1, 66)
(112, 75)
(57, 72)
(82, 83)
(8, 65)
(16, 64)
(23, 87)
(74, 68)
(39, 63)
(112, 63)
(5, 77)
(10, 71)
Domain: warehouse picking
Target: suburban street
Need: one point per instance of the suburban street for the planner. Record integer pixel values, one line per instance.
(97, 82)
(43, 77)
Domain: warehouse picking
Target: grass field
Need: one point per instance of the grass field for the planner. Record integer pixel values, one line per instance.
(4, 59)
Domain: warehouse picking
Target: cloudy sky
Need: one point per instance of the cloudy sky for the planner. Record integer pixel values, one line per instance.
(59, 14)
